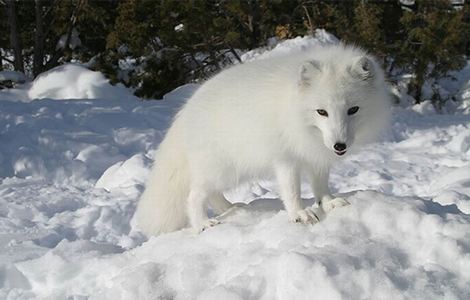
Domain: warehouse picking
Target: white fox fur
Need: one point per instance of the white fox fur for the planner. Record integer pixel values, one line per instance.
(265, 118)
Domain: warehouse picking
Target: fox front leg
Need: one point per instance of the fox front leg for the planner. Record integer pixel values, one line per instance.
(288, 178)
(322, 192)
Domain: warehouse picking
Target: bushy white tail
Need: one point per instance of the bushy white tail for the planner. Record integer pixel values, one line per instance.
(162, 207)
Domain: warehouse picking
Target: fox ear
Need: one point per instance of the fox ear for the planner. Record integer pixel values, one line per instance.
(307, 71)
(362, 69)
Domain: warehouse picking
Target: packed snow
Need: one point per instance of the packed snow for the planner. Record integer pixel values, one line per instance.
(72, 171)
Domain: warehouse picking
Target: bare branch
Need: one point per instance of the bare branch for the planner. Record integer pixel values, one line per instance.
(310, 24)
(15, 39)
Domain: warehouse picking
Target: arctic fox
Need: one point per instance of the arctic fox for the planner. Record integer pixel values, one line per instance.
(282, 116)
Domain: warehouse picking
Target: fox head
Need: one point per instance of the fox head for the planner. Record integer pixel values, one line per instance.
(346, 102)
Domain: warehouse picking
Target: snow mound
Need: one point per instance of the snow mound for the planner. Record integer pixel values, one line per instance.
(320, 38)
(454, 188)
(71, 81)
(379, 247)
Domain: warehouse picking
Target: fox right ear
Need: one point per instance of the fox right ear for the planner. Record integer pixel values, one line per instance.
(363, 68)
(307, 71)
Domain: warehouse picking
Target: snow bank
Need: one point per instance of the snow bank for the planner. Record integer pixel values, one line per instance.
(279, 48)
(374, 249)
(454, 186)
(75, 142)
(75, 82)
(72, 171)
(68, 81)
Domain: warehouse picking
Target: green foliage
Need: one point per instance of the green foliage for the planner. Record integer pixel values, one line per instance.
(154, 46)
(368, 27)
(436, 39)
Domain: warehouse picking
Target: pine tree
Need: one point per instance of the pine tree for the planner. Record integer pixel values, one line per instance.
(368, 28)
(435, 43)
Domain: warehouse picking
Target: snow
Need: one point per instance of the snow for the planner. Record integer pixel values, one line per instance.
(321, 38)
(125, 173)
(179, 27)
(69, 81)
(75, 82)
(73, 43)
(72, 171)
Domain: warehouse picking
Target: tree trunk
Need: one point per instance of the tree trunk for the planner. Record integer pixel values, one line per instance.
(254, 23)
(416, 85)
(38, 61)
(15, 41)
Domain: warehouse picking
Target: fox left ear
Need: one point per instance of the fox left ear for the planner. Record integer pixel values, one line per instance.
(307, 71)
(363, 68)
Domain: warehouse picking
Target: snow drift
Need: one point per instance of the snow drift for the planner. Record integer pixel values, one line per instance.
(75, 82)
(69, 81)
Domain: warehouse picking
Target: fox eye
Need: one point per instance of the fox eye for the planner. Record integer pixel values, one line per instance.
(322, 112)
(353, 110)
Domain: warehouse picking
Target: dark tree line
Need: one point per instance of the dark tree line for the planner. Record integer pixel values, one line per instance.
(157, 45)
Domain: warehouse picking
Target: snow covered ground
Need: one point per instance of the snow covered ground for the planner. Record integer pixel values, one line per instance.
(72, 171)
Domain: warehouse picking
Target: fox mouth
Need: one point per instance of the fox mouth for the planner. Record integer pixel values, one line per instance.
(340, 153)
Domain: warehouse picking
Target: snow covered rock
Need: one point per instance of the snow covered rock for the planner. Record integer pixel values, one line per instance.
(9, 79)
(125, 174)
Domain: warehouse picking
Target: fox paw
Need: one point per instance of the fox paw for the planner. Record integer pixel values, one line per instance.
(329, 205)
(308, 215)
(206, 224)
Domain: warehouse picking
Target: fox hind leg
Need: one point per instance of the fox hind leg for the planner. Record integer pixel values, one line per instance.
(328, 203)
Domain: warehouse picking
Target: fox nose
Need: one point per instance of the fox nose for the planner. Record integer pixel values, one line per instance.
(340, 146)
